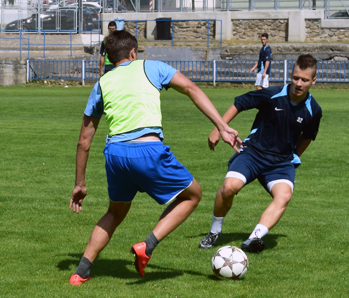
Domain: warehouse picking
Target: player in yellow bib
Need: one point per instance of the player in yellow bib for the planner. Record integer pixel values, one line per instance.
(136, 158)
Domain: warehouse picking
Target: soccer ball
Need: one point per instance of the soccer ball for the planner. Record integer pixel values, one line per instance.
(229, 262)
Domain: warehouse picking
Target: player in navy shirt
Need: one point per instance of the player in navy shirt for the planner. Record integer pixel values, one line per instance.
(263, 64)
(287, 121)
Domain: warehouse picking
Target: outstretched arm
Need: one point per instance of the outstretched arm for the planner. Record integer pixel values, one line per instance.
(88, 129)
(214, 137)
(185, 86)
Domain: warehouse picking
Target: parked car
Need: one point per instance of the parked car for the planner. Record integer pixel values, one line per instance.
(65, 19)
(65, 3)
(58, 4)
(339, 15)
(92, 11)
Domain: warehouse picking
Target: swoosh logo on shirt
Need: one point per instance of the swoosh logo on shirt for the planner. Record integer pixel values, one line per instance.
(276, 109)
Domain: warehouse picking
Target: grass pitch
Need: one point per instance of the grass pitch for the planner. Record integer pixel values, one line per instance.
(42, 241)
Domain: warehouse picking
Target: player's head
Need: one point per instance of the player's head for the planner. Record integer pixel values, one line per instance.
(303, 75)
(111, 26)
(264, 39)
(120, 45)
(307, 61)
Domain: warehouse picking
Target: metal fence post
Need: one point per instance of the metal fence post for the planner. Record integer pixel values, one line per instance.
(214, 72)
(27, 71)
(172, 33)
(208, 33)
(44, 43)
(71, 46)
(83, 75)
(20, 44)
(221, 37)
(285, 71)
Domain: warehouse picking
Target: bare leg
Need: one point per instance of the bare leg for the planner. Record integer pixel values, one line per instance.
(178, 211)
(105, 228)
(282, 194)
(225, 196)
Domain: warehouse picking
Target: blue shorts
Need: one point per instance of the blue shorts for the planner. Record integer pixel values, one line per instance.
(145, 167)
(248, 167)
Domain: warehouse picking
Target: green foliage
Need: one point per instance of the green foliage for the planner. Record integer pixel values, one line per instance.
(42, 241)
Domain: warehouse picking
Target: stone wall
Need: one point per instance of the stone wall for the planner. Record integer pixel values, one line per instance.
(314, 32)
(252, 29)
(13, 72)
(282, 25)
(183, 30)
(193, 30)
(141, 29)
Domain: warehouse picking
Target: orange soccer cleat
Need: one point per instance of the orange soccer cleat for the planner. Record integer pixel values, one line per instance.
(77, 280)
(141, 259)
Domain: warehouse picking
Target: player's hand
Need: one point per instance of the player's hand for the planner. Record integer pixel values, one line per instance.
(213, 139)
(263, 75)
(230, 136)
(78, 195)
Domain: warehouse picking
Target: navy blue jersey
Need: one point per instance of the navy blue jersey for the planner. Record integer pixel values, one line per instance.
(264, 56)
(279, 123)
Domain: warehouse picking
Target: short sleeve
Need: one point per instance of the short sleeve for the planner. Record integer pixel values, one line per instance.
(159, 73)
(94, 105)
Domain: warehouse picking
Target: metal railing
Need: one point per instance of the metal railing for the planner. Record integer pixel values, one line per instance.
(22, 9)
(173, 36)
(24, 45)
(197, 71)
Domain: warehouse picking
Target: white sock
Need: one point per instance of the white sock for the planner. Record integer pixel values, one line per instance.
(217, 223)
(259, 231)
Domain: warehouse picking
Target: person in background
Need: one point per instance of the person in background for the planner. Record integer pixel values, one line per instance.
(263, 64)
(104, 64)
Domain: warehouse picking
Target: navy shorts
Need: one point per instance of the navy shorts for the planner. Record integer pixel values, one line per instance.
(248, 167)
(145, 167)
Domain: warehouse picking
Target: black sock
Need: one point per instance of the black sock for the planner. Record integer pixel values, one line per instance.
(151, 243)
(84, 267)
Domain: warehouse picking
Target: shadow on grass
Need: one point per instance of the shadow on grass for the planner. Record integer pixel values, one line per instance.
(236, 239)
(119, 269)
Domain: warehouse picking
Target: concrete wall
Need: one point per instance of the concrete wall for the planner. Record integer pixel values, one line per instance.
(296, 24)
(13, 72)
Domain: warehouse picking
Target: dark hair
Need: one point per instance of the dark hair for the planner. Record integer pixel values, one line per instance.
(119, 45)
(307, 61)
(265, 35)
(112, 24)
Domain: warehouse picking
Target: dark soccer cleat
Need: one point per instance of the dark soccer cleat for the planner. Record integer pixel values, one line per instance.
(141, 259)
(209, 241)
(254, 245)
(77, 280)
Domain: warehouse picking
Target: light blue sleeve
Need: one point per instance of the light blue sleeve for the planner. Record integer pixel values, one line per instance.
(159, 73)
(94, 105)
(296, 160)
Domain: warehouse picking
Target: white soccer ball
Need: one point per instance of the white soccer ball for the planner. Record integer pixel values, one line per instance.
(229, 262)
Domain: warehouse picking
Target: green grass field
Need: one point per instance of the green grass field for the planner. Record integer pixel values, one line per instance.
(42, 241)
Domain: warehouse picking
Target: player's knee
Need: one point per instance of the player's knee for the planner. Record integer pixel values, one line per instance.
(283, 198)
(229, 189)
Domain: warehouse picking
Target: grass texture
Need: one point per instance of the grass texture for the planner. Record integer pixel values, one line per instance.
(42, 241)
